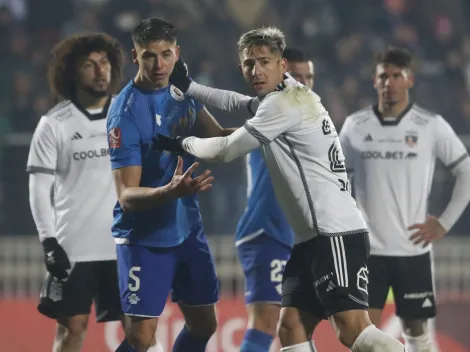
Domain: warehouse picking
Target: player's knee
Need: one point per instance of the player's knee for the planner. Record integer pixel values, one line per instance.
(348, 325)
(414, 327)
(204, 328)
(72, 329)
(141, 333)
(264, 317)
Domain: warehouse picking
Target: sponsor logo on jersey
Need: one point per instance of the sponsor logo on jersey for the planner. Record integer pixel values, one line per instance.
(388, 155)
(114, 137)
(176, 93)
(90, 154)
(411, 139)
(368, 138)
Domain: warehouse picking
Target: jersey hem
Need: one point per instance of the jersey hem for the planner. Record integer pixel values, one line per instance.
(92, 258)
(400, 254)
(249, 237)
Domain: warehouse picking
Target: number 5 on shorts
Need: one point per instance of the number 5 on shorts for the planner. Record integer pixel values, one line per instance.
(134, 287)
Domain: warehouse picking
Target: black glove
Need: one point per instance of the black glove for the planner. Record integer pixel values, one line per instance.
(171, 144)
(180, 77)
(57, 261)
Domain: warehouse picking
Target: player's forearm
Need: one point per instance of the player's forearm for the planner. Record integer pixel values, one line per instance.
(223, 99)
(40, 186)
(460, 197)
(144, 198)
(221, 149)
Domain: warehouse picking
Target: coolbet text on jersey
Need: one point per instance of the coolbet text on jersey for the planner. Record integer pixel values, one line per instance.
(163, 248)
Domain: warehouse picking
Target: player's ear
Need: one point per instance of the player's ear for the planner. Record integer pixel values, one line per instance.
(411, 79)
(283, 64)
(135, 60)
(177, 52)
(240, 69)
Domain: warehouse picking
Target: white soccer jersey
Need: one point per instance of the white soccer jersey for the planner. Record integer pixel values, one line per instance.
(306, 163)
(393, 164)
(74, 148)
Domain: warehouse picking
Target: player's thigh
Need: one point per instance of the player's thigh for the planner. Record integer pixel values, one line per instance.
(195, 282)
(339, 267)
(73, 297)
(298, 290)
(145, 276)
(413, 287)
(263, 260)
(107, 301)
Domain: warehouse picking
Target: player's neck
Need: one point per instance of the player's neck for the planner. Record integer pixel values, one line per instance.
(141, 82)
(393, 110)
(87, 101)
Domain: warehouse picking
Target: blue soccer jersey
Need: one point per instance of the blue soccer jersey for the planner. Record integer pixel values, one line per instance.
(134, 118)
(262, 213)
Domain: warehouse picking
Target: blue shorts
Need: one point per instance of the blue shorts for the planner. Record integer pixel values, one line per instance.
(263, 260)
(147, 275)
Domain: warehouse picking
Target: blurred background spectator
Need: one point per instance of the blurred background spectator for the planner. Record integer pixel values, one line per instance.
(339, 35)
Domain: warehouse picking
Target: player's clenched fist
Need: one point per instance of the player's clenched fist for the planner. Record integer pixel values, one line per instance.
(56, 260)
(183, 184)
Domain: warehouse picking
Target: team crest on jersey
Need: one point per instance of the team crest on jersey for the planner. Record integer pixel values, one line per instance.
(176, 93)
(114, 137)
(411, 139)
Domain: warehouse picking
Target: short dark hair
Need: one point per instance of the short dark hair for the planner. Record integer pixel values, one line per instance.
(271, 37)
(65, 55)
(153, 29)
(399, 57)
(294, 54)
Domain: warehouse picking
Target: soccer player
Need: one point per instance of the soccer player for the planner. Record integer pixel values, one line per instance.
(326, 275)
(264, 238)
(299, 67)
(391, 149)
(158, 229)
(71, 188)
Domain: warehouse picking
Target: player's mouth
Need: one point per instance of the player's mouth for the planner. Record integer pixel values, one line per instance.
(158, 75)
(258, 85)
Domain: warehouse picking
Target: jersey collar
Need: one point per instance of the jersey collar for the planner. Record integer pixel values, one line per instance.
(93, 117)
(391, 122)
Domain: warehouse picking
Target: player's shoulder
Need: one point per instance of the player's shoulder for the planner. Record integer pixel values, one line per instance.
(361, 116)
(422, 117)
(126, 101)
(59, 113)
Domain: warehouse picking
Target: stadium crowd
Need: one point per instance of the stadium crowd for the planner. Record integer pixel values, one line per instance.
(339, 37)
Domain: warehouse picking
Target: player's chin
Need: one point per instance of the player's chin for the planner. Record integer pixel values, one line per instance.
(99, 92)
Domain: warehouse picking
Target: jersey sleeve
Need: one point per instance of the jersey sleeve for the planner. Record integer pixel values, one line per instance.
(124, 142)
(272, 119)
(346, 146)
(448, 146)
(43, 150)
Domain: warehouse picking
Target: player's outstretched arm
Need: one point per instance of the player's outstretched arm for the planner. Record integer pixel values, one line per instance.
(207, 126)
(222, 99)
(133, 198)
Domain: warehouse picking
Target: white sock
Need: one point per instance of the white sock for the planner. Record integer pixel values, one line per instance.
(308, 346)
(432, 334)
(418, 343)
(372, 339)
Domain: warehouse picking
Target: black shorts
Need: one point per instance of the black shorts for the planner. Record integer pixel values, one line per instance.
(327, 275)
(411, 279)
(88, 281)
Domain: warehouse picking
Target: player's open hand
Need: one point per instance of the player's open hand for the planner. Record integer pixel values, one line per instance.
(183, 184)
(429, 231)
